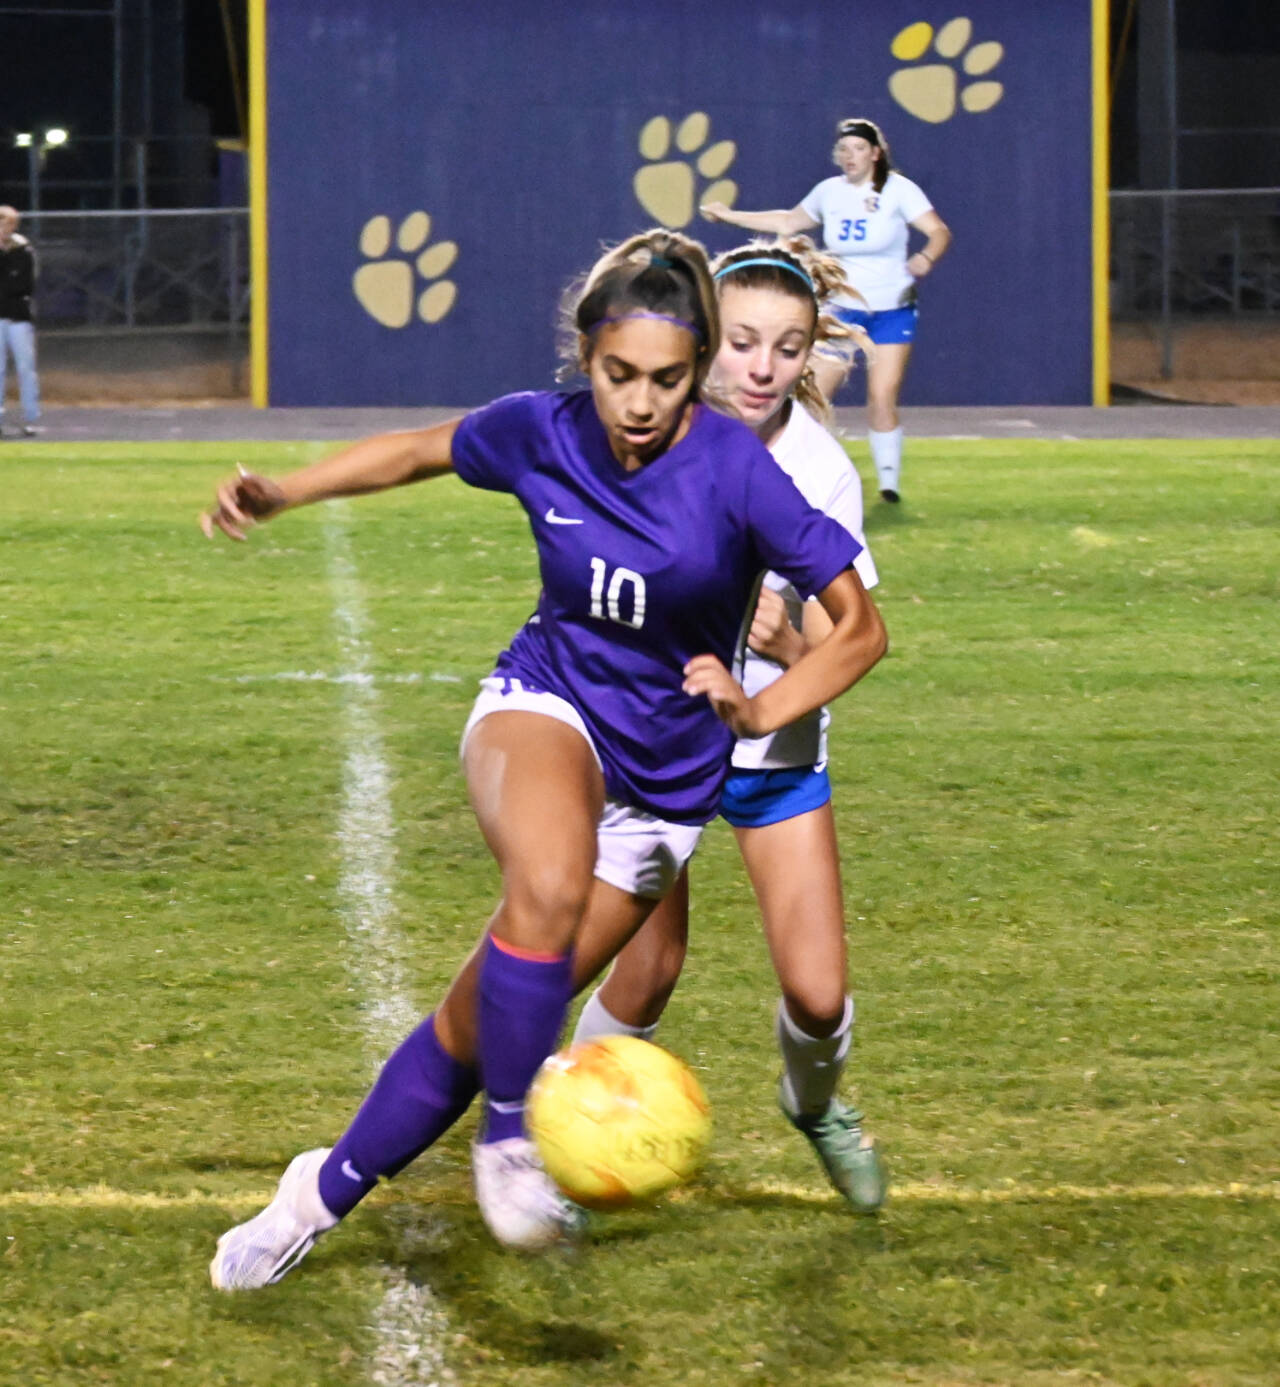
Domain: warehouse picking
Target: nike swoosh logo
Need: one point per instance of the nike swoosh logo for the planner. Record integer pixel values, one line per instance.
(513, 1107)
(553, 519)
(352, 1173)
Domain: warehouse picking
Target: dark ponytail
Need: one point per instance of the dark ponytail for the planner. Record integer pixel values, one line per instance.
(658, 272)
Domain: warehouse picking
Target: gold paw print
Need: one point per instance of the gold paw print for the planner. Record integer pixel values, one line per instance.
(386, 288)
(929, 91)
(666, 190)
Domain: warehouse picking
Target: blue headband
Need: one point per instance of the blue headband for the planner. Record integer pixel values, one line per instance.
(766, 260)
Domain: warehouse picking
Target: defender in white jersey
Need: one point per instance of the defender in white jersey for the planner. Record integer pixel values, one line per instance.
(824, 476)
(866, 215)
(778, 795)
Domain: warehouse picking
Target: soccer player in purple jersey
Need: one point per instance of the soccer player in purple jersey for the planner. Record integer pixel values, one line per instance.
(778, 795)
(599, 746)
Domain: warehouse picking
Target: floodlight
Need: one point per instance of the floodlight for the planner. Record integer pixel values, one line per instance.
(55, 137)
(24, 140)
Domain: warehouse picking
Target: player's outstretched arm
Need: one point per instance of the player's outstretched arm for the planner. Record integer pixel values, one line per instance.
(374, 464)
(782, 222)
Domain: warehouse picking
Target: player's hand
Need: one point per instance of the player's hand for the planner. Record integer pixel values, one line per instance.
(713, 211)
(704, 674)
(918, 265)
(772, 634)
(242, 501)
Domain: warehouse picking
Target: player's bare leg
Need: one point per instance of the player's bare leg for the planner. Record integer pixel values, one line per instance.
(802, 913)
(885, 375)
(639, 984)
(803, 916)
(537, 794)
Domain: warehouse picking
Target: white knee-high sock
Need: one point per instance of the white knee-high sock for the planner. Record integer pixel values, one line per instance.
(597, 1020)
(886, 453)
(811, 1065)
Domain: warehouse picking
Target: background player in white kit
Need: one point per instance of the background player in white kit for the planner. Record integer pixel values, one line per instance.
(600, 744)
(778, 796)
(865, 214)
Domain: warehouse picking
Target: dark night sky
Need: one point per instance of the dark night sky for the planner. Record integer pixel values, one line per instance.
(57, 69)
(208, 68)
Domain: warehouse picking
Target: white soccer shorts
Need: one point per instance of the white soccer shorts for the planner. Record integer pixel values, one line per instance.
(635, 851)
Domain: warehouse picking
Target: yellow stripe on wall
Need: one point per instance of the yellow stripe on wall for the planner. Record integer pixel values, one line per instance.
(1101, 207)
(258, 202)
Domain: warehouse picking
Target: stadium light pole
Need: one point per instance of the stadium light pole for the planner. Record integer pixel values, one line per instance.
(53, 138)
(50, 9)
(24, 139)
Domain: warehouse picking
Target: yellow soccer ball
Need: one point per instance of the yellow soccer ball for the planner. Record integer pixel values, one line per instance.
(617, 1120)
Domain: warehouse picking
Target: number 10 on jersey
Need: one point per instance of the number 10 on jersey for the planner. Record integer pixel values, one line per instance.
(621, 579)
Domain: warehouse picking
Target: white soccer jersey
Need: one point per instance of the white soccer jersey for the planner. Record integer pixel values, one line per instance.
(826, 478)
(868, 232)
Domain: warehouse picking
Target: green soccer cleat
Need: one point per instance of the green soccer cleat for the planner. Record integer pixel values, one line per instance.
(848, 1153)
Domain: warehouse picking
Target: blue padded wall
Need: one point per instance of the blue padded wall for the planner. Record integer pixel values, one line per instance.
(438, 173)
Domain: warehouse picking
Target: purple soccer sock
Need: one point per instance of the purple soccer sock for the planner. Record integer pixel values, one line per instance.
(523, 1001)
(420, 1094)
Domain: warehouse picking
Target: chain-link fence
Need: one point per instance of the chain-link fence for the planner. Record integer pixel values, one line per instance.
(142, 269)
(1195, 252)
(1186, 263)
(142, 304)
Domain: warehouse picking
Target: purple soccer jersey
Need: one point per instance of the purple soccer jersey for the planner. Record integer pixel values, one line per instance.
(641, 571)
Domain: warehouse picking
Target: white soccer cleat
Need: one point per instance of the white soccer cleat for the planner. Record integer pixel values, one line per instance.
(272, 1243)
(519, 1201)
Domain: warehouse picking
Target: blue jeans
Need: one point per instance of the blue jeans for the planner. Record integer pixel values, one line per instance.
(20, 340)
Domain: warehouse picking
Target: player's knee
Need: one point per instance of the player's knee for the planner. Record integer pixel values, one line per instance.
(546, 900)
(642, 979)
(817, 1009)
(661, 971)
(640, 998)
(882, 411)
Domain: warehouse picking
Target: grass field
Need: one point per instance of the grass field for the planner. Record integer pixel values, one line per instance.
(1058, 800)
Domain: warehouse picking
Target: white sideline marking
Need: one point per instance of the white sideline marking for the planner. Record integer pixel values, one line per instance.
(409, 1325)
(104, 1197)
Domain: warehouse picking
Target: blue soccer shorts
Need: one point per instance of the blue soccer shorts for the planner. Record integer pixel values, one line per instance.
(754, 799)
(884, 328)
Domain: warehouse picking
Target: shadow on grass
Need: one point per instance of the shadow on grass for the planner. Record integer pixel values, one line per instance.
(521, 1308)
(547, 1341)
(883, 518)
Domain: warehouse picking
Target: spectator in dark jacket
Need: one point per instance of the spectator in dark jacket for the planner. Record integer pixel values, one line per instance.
(17, 332)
